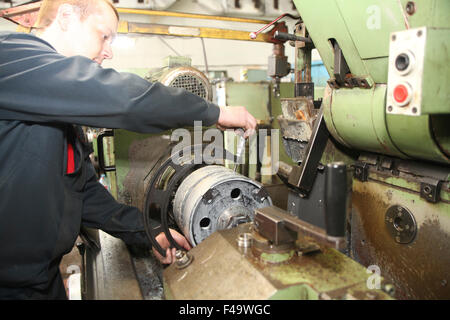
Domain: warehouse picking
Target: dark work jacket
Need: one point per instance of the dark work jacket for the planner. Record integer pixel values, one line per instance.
(42, 95)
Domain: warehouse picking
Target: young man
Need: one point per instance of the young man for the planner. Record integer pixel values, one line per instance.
(49, 84)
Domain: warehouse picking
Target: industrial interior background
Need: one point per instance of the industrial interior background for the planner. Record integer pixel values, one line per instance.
(395, 158)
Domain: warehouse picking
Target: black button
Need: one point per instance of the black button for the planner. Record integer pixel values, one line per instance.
(402, 62)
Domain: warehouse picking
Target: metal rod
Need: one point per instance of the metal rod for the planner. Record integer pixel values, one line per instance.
(254, 34)
(182, 31)
(189, 15)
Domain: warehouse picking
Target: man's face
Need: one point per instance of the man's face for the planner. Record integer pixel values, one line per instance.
(92, 37)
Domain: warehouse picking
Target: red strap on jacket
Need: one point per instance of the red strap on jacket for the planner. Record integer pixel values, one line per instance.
(70, 158)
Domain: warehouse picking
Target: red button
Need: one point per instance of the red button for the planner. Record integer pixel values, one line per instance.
(401, 93)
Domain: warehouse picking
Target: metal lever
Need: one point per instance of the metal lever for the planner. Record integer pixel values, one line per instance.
(284, 36)
(101, 156)
(253, 35)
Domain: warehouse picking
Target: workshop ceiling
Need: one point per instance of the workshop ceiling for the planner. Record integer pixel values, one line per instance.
(266, 8)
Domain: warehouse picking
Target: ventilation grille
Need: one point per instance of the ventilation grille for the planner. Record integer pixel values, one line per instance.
(191, 83)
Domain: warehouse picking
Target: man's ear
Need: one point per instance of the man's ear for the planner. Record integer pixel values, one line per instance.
(65, 15)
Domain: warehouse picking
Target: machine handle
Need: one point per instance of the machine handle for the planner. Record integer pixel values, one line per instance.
(284, 36)
(335, 198)
(101, 156)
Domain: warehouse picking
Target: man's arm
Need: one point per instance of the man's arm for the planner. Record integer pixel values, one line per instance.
(38, 84)
(102, 211)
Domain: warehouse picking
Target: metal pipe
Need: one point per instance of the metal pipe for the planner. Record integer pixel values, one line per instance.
(189, 15)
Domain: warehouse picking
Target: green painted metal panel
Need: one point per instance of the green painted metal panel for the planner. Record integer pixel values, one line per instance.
(436, 72)
(441, 131)
(370, 23)
(300, 292)
(378, 69)
(262, 103)
(413, 135)
(362, 29)
(358, 118)
(325, 22)
(431, 13)
(142, 72)
(255, 96)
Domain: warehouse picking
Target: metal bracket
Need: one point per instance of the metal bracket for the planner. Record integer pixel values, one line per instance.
(209, 196)
(350, 83)
(101, 155)
(430, 190)
(261, 195)
(361, 171)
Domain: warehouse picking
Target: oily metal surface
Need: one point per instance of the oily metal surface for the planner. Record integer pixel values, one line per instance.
(217, 272)
(115, 278)
(418, 270)
(222, 270)
(143, 155)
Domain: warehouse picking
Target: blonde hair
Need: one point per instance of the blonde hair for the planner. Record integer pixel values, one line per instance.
(49, 9)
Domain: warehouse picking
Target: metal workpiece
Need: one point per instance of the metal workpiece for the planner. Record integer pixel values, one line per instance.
(320, 274)
(213, 198)
(245, 240)
(183, 259)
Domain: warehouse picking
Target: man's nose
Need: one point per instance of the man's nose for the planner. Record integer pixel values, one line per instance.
(107, 51)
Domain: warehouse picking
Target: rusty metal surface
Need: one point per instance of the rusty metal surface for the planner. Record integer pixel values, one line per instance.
(278, 192)
(297, 119)
(420, 269)
(223, 270)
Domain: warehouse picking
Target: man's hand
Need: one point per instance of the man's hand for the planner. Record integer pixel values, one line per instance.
(236, 117)
(165, 244)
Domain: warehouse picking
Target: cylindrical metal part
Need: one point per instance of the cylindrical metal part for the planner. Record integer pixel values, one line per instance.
(214, 198)
(335, 199)
(284, 169)
(357, 119)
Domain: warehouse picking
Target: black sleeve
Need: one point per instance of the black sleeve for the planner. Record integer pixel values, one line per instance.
(38, 84)
(102, 211)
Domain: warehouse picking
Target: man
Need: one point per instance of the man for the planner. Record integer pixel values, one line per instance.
(49, 84)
